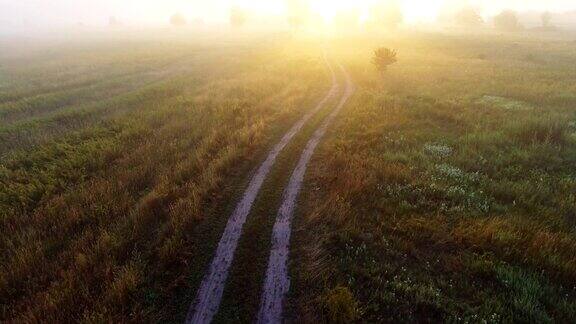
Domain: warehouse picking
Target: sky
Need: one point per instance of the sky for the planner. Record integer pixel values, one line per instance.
(47, 13)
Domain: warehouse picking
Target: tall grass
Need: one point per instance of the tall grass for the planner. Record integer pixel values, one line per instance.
(428, 206)
(105, 205)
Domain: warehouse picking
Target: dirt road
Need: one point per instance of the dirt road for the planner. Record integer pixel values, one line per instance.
(210, 292)
(277, 282)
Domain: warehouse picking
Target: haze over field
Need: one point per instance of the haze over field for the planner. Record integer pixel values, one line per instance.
(287, 161)
(39, 14)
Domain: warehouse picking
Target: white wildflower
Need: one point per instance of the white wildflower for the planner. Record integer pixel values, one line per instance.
(438, 150)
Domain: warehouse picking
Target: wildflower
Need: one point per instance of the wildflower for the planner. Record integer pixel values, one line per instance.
(504, 103)
(438, 150)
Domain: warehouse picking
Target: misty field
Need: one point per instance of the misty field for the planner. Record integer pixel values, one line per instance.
(444, 191)
(118, 162)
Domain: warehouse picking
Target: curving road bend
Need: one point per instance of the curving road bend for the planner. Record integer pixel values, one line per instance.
(210, 292)
(277, 282)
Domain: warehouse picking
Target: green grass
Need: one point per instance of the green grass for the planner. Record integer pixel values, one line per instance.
(111, 209)
(241, 298)
(429, 202)
(443, 192)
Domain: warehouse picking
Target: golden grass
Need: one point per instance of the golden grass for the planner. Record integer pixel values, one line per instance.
(116, 239)
(429, 206)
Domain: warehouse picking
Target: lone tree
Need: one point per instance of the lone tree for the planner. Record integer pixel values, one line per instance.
(507, 20)
(384, 57)
(178, 20)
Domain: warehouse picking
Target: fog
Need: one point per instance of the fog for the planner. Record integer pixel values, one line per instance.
(43, 15)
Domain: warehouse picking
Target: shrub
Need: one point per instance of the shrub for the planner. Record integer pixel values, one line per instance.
(384, 57)
(341, 307)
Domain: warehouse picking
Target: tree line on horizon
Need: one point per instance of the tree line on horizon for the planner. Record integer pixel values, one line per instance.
(385, 14)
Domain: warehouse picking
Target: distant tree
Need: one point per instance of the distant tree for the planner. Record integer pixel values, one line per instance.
(546, 18)
(387, 14)
(384, 57)
(347, 19)
(507, 20)
(113, 22)
(177, 20)
(298, 13)
(198, 22)
(296, 22)
(468, 17)
(393, 16)
(237, 16)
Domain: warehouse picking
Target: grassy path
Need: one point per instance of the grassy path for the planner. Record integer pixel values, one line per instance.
(242, 296)
(211, 289)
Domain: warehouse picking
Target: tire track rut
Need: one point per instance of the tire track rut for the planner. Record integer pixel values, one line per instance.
(211, 288)
(277, 282)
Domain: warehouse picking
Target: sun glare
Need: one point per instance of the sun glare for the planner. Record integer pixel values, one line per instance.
(261, 6)
(413, 10)
(420, 10)
(328, 9)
